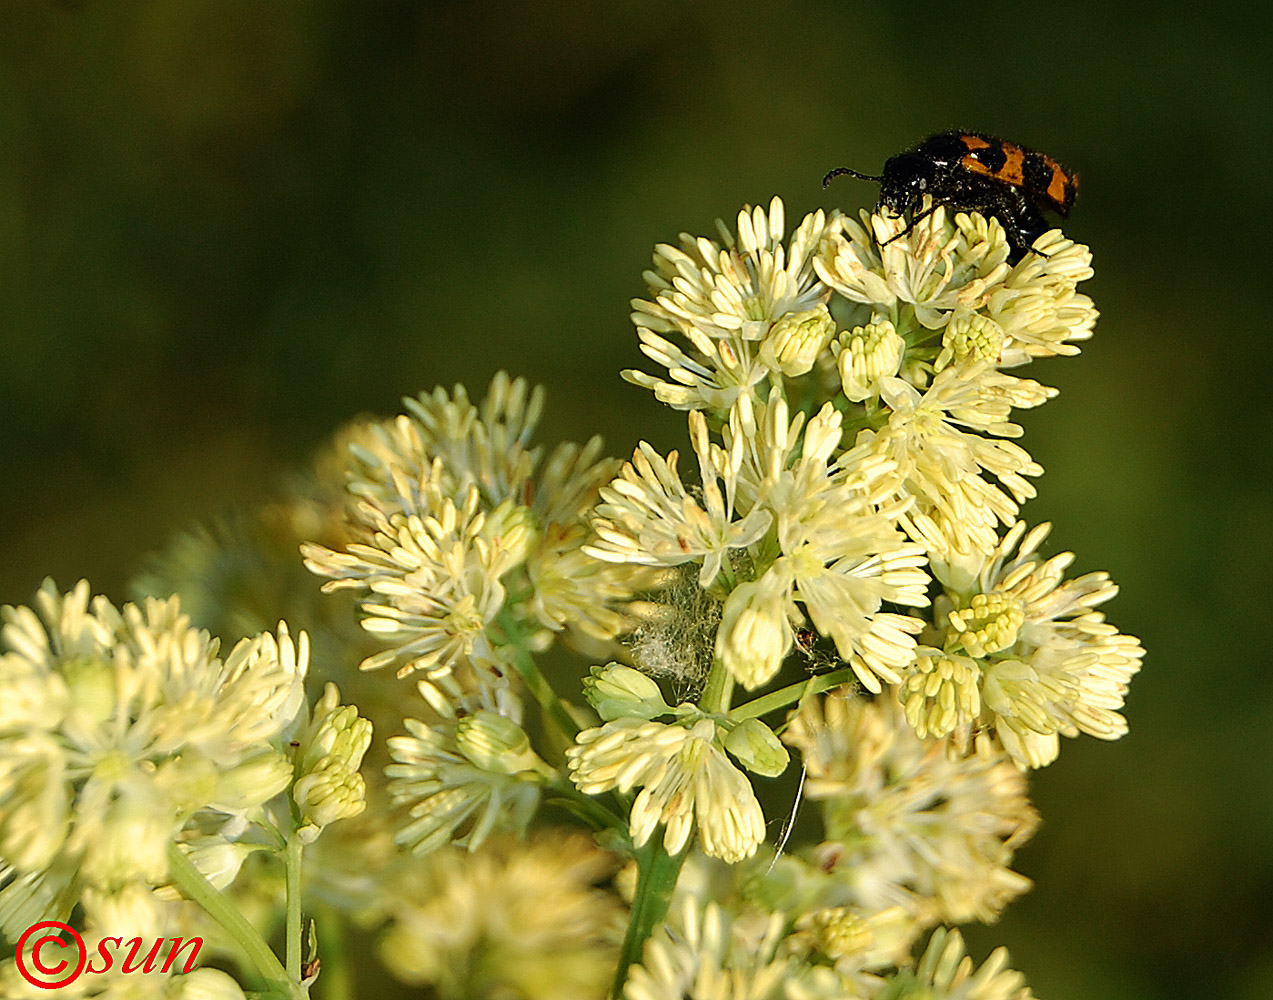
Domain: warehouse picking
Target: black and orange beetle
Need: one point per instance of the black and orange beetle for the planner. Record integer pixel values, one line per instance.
(973, 172)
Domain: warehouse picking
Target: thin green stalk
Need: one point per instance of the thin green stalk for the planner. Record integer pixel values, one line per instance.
(790, 694)
(554, 709)
(195, 887)
(718, 690)
(657, 878)
(293, 869)
(586, 806)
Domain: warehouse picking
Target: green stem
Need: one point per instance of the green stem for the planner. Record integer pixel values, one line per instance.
(586, 806)
(657, 879)
(791, 694)
(198, 889)
(293, 869)
(718, 690)
(554, 709)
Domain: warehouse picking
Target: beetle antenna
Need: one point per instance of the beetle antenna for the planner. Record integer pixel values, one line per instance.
(851, 172)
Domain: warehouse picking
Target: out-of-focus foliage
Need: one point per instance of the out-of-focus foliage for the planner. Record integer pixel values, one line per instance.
(226, 227)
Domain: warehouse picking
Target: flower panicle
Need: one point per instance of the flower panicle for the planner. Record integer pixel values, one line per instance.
(124, 731)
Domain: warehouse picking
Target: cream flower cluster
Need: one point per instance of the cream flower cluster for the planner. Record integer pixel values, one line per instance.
(854, 496)
(896, 477)
(730, 301)
(848, 506)
(120, 728)
(468, 774)
(806, 529)
(709, 953)
(1020, 651)
(520, 917)
(909, 823)
(456, 516)
(915, 327)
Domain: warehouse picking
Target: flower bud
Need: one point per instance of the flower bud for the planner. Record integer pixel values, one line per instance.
(334, 731)
(866, 354)
(990, 624)
(328, 786)
(941, 693)
(793, 344)
(754, 633)
(616, 691)
(330, 792)
(219, 860)
(970, 336)
(511, 531)
(495, 743)
(755, 746)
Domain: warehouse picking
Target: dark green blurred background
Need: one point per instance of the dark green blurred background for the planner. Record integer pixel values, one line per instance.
(228, 225)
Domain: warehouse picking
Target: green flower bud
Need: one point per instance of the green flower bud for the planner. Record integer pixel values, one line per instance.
(616, 691)
(970, 336)
(755, 746)
(495, 743)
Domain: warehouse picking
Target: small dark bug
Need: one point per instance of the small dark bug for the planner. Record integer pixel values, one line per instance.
(972, 172)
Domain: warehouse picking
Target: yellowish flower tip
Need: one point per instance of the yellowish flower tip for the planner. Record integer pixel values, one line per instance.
(837, 931)
(328, 786)
(941, 694)
(797, 340)
(617, 691)
(970, 337)
(866, 354)
(989, 624)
